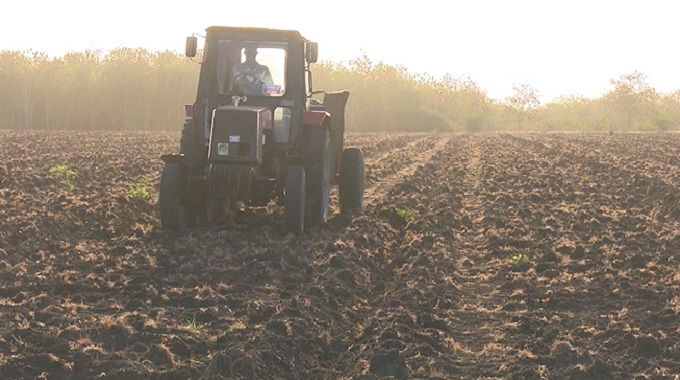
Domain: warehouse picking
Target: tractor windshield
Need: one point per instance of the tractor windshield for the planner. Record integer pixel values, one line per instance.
(251, 67)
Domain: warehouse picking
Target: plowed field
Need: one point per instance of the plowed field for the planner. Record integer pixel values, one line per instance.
(500, 256)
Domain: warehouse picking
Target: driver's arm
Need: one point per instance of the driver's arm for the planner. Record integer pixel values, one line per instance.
(237, 71)
(267, 75)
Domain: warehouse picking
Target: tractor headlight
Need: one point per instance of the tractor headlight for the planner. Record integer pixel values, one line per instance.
(223, 149)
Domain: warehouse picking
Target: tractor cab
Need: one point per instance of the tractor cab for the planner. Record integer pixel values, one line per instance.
(255, 67)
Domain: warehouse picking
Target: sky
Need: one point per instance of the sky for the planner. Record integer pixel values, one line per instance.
(559, 47)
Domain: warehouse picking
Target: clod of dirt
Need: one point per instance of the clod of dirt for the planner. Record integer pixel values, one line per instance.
(48, 361)
(220, 365)
(338, 262)
(160, 355)
(600, 370)
(366, 376)
(277, 326)
(551, 257)
(641, 364)
(647, 345)
(638, 261)
(244, 367)
(389, 333)
(565, 249)
(179, 348)
(392, 344)
(347, 277)
(389, 363)
(427, 320)
(578, 253)
(81, 360)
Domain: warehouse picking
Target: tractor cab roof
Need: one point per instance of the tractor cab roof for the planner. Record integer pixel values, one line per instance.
(289, 34)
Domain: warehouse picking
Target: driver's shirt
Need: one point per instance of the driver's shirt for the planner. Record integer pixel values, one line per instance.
(259, 74)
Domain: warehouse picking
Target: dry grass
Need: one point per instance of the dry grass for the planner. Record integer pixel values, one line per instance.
(495, 350)
(456, 346)
(526, 353)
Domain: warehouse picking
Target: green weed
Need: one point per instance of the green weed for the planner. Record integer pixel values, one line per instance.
(138, 189)
(64, 174)
(408, 215)
(195, 325)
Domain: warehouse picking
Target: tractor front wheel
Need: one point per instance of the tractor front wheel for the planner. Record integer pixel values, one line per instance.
(171, 200)
(294, 200)
(195, 161)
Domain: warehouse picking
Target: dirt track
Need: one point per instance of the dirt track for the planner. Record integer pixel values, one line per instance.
(514, 257)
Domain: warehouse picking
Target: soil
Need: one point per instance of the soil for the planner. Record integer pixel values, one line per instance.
(494, 256)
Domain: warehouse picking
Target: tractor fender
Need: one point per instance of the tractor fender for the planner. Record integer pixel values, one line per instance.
(173, 158)
(189, 111)
(295, 160)
(315, 118)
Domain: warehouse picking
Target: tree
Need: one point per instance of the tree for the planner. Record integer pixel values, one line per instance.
(630, 101)
(524, 100)
(668, 112)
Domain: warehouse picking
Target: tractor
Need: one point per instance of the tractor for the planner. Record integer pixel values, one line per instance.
(256, 135)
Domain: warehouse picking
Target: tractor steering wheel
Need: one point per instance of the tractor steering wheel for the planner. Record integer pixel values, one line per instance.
(248, 83)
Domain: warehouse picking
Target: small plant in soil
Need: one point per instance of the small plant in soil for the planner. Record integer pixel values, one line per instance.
(64, 174)
(408, 215)
(138, 189)
(195, 325)
(519, 257)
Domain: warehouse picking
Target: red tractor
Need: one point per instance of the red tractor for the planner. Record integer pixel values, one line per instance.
(256, 135)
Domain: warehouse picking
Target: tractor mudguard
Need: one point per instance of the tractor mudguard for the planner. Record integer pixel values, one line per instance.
(315, 118)
(173, 158)
(295, 160)
(335, 103)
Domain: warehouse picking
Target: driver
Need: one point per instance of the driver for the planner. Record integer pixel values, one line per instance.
(249, 76)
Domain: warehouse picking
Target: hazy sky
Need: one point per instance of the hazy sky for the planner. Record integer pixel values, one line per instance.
(560, 47)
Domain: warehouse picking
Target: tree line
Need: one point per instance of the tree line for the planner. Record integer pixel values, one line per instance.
(135, 89)
(126, 89)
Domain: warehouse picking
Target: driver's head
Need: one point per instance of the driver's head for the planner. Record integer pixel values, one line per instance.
(250, 52)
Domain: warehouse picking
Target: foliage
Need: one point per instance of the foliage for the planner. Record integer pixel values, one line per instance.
(64, 174)
(126, 89)
(630, 102)
(423, 120)
(523, 102)
(135, 89)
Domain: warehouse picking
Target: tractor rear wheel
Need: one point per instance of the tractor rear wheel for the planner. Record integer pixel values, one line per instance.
(294, 200)
(351, 180)
(318, 175)
(171, 197)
